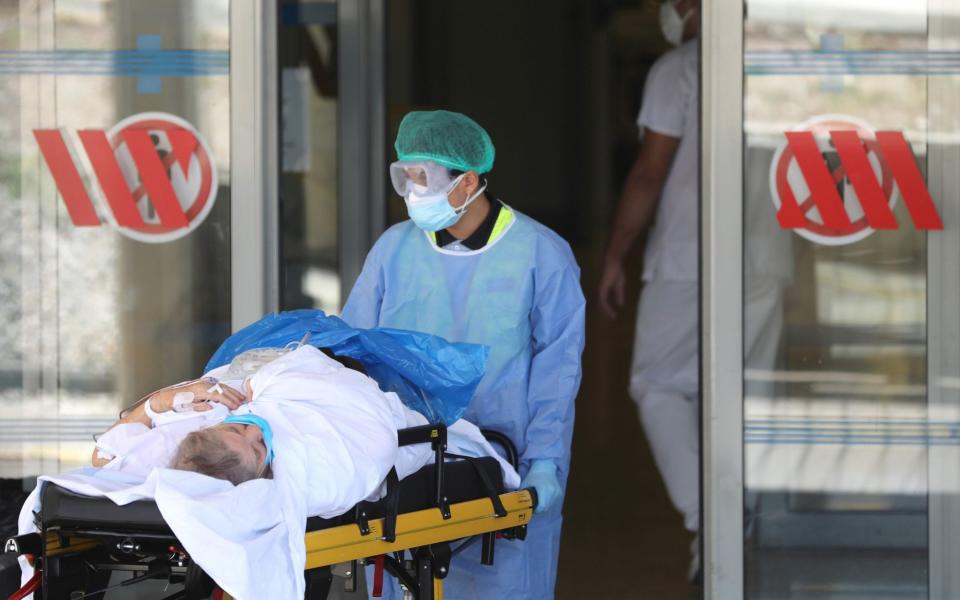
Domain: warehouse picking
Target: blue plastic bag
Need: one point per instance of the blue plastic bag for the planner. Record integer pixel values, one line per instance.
(430, 375)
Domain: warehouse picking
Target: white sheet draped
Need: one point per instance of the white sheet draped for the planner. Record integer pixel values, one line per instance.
(335, 441)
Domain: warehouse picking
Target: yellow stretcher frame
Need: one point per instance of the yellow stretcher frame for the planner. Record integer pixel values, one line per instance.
(421, 528)
(416, 529)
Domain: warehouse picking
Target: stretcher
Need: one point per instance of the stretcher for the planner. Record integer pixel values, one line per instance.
(411, 534)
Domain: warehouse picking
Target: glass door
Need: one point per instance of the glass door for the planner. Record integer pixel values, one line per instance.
(332, 169)
(129, 194)
(115, 189)
(845, 426)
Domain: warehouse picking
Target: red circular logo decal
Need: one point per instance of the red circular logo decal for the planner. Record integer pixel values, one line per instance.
(786, 178)
(174, 190)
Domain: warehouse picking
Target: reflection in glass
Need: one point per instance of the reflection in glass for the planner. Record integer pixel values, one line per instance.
(308, 182)
(94, 319)
(836, 423)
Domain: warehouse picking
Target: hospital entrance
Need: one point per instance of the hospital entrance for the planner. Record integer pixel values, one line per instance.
(829, 332)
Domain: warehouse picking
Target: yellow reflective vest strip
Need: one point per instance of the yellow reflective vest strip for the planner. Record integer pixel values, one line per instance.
(503, 220)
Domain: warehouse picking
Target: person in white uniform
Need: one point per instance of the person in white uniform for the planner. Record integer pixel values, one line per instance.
(662, 186)
(662, 190)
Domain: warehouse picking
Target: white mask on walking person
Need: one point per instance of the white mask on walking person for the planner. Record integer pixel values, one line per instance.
(671, 23)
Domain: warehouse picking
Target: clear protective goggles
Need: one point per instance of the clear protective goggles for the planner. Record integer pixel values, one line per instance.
(422, 177)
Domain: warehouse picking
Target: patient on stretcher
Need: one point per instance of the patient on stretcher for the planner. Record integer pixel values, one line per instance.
(332, 435)
(231, 451)
(228, 434)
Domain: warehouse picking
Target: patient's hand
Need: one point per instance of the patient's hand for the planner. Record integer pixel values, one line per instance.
(97, 461)
(204, 391)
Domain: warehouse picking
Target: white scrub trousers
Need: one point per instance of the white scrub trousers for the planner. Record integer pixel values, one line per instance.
(664, 377)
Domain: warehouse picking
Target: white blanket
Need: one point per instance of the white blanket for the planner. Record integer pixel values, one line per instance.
(334, 439)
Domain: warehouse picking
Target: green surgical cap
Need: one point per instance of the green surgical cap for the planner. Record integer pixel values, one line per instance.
(447, 138)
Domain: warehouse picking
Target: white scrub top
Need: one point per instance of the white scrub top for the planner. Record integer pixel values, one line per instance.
(670, 105)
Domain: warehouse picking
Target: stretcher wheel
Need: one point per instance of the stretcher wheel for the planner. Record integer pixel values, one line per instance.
(69, 574)
(319, 581)
(197, 585)
(9, 575)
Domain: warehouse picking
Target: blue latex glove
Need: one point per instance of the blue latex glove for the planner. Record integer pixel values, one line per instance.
(542, 477)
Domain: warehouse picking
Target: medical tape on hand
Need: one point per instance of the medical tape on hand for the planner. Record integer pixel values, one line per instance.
(150, 412)
(183, 402)
(145, 400)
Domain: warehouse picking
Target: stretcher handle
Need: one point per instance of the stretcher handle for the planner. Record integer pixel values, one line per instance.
(495, 437)
(28, 543)
(435, 435)
(492, 493)
(533, 497)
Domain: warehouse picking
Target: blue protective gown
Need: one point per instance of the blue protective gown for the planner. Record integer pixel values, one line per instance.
(520, 295)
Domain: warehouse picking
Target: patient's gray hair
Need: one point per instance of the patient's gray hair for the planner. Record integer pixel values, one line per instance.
(204, 452)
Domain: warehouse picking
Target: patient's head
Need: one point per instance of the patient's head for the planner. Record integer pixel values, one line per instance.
(230, 451)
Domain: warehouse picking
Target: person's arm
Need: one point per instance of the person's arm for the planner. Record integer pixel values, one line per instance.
(137, 414)
(362, 309)
(204, 392)
(558, 320)
(635, 212)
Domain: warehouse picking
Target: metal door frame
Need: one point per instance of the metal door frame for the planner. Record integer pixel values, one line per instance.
(721, 316)
(255, 165)
(254, 161)
(943, 319)
(361, 134)
(722, 308)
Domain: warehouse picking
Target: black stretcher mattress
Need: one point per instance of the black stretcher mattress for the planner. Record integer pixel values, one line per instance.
(68, 510)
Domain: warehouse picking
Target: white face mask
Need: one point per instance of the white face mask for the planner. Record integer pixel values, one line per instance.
(671, 23)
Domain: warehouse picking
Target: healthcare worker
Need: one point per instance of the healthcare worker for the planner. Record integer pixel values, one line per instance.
(470, 268)
(661, 195)
(662, 187)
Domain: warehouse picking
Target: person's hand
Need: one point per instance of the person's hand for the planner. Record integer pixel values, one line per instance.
(542, 477)
(612, 283)
(204, 391)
